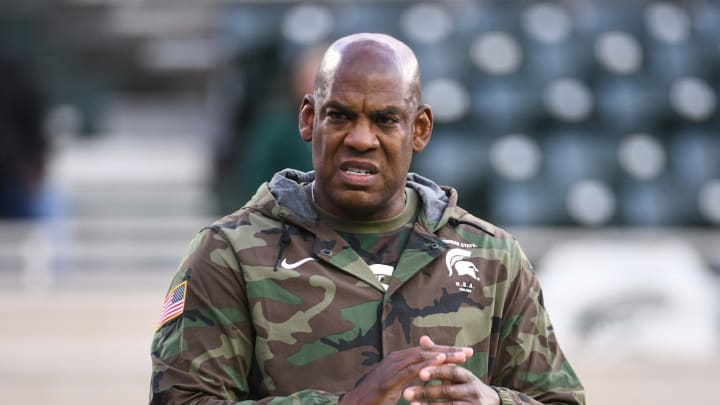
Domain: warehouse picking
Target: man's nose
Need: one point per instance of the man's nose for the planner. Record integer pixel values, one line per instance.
(362, 136)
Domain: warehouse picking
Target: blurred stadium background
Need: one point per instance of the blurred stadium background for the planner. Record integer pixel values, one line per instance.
(590, 129)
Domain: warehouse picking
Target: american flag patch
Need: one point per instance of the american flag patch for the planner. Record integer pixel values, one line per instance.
(174, 304)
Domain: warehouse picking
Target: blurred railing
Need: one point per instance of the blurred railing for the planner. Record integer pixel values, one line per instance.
(89, 249)
(537, 241)
(93, 251)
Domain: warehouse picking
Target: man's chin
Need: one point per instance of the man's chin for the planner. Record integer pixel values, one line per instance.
(357, 206)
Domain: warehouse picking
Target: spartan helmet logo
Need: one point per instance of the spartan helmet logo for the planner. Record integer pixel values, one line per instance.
(454, 260)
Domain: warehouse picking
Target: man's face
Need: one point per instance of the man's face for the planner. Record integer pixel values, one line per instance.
(364, 128)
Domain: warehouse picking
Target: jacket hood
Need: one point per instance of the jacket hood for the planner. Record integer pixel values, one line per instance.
(284, 196)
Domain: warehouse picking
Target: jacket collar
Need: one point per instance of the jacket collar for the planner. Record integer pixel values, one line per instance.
(286, 190)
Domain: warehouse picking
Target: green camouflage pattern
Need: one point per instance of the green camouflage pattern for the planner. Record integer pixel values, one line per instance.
(377, 248)
(281, 310)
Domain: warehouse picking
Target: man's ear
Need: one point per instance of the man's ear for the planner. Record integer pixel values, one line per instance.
(306, 117)
(422, 127)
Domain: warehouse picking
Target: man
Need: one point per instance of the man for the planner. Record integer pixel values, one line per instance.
(23, 146)
(358, 283)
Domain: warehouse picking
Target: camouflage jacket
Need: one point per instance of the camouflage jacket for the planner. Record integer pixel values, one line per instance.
(279, 309)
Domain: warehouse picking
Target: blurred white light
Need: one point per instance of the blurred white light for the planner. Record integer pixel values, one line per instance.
(427, 23)
(642, 156)
(496, 53)
(516, 157)
(140, 19)
(179, 54)
(619, 52)
(450, 101)
(547, 23)
(709, 201)
(568, 99)
(591, 202)
(667, 22)
(692, 98)
(306, 24)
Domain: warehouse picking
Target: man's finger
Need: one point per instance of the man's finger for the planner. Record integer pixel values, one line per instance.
(455, 385)
(397, 370)
(444, 392)
(448, 372)
(427, 344)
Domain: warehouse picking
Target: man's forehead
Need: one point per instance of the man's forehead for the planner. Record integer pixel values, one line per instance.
(376, 90)
(370, 101)
(370, 64)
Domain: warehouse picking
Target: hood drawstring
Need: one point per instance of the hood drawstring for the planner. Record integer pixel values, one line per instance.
(284, 241)
(454, 222)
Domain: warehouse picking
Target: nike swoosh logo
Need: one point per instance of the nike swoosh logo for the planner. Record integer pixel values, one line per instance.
(291, 266)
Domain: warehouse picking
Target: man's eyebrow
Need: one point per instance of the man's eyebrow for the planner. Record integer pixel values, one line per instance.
(391, 110)
(335, 105)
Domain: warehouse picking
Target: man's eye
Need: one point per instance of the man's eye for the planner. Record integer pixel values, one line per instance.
(336, 115)
(388, 120)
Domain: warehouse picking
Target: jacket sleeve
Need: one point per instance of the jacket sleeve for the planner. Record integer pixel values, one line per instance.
(530, 367)
(204, 355)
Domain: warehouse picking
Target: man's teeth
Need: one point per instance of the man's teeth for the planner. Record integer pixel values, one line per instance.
(357, 171)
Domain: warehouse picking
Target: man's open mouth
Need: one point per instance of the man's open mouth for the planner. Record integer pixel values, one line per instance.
(358, 168)
(353, 170)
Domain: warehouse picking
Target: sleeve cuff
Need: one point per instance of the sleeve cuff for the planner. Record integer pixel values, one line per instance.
(504, 394)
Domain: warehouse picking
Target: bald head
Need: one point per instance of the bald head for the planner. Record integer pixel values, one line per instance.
(370, 53)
